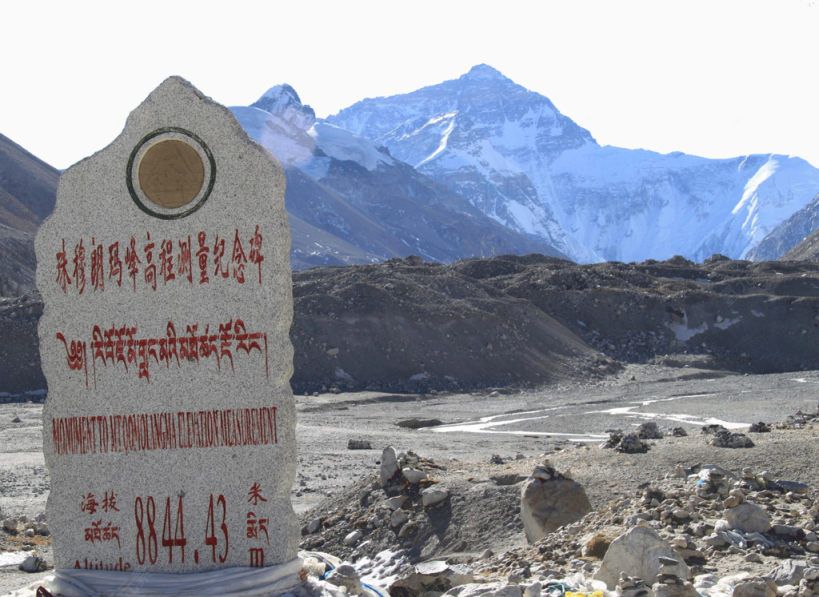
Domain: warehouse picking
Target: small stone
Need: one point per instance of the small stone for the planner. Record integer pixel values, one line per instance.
(314, 525)
(812, 546)
(398, 517)
(16, 420)
(649, 430)
(41, 528)
(346, 576)
(353, 538)
(389, 465)
(11, 526)
(33, 563)
(396, 502)
(595, 546)
(414, 476)
(359, 444)
(749, 518)
(755, 588)
(434, 495)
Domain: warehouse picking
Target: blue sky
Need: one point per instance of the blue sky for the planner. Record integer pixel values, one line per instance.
(717, 78)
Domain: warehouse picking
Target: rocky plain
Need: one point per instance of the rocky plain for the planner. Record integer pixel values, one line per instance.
(431, 398)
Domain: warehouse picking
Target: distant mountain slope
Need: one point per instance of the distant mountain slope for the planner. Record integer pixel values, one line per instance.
(28, 190)
(807, 250)
(359, 193)
(27, 187)
(514, 156)
(788, 234)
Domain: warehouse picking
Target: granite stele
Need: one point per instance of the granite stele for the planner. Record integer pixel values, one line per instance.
(169, 428)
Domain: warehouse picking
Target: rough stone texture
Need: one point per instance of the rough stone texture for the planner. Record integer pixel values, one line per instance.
(199, 464)
(546, 505)
(748, 518)
(637, 553)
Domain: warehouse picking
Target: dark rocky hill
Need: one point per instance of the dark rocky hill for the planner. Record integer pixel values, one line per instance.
(28, 190)
(407, 325)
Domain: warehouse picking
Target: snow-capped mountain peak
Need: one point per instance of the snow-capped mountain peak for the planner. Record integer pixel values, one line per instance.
(282, 100)
(484, 71)
(517, 158)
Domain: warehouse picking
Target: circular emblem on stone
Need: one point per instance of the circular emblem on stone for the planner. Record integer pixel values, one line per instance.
(170, 173)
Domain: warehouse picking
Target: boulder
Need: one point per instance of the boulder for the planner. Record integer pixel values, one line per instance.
(637, 553)
(550, 501)
(748, 517)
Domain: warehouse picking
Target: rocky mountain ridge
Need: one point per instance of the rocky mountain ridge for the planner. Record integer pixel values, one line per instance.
(411, 326)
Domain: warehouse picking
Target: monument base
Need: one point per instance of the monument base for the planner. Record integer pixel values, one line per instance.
(268, 581)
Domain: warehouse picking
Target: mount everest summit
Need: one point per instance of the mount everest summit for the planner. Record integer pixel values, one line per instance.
(480, 165)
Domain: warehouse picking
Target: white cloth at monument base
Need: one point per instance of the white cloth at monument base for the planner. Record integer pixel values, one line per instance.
(266, 581)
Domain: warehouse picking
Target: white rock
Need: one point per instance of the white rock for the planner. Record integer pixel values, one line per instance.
(755, 588)
(396, 502)
(413, 475)
(748, 517)
(398, 517)
(352, 538)
(637, 553)
(434, 495)
(389, 465)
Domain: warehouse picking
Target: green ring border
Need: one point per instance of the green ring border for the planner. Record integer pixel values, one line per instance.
(129, 171)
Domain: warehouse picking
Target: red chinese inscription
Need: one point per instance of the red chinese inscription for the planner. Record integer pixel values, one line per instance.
(150, 263)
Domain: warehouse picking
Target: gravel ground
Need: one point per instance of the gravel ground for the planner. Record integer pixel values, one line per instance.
(528, 423)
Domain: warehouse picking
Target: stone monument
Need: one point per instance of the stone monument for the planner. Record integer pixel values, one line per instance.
(169, 428)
